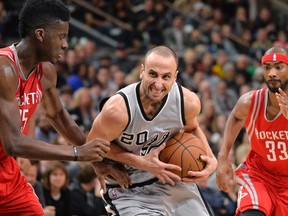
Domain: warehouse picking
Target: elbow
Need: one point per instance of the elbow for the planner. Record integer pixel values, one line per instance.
(11, 147)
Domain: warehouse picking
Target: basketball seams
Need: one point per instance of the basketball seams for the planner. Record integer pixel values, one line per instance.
(184, 149)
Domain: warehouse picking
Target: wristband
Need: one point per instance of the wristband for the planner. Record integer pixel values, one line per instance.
(75, 153)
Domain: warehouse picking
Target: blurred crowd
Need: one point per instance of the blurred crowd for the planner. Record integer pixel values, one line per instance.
(219, 47)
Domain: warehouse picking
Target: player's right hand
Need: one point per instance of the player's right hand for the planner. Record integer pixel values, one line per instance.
(94, 150)
(161, 170)
(224, 175)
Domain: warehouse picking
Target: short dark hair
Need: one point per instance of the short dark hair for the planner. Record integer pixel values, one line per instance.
(277, 49)
(40, 14)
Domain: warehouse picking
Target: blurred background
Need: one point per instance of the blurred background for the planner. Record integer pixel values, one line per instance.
(219, 44)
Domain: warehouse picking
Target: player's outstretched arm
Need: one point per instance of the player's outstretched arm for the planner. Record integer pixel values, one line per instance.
(19, 145)
(225, 173)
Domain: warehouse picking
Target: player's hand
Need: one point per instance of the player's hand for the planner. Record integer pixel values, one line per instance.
(152, 164)
(197, 176)
(282, 99)
(94, 150)
(49, 211)
(224, 175)
(115, 170)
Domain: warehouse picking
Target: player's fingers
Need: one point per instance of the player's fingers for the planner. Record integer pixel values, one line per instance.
(102, 183)
(174, 177)
(159, 149)
(221, 184)
(282, 92)
(172, 167)
(161, 178)
(196, 173)
(170, 181)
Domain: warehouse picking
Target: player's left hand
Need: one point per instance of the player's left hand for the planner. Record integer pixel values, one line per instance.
(282, 99)
(114, 170)
(197, 176)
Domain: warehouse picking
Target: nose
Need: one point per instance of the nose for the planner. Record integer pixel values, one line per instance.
(272, 72)
(159, 83)
(64, 44)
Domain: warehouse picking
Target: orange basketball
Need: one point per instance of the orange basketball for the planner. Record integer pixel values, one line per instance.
(184, 150)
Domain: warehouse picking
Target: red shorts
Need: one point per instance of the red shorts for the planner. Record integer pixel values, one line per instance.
(17, 196)
(259, 193)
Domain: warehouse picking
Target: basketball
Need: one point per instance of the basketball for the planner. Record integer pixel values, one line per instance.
(184, 150)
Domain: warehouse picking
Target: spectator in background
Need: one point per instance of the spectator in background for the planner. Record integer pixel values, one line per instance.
(222, 204)
(84, 199)
(260, 44)
(240, 21)
(31, 175)
(146, 24)
(121, 58)
(185, 77)
(66, 96)
(206, 63)
(221, 58)
(175, 36)
(44, 130)
(79, 78)
(71, 60)
(281, 39)
(224, 99)
(82, 111)
(196, 38)
(230, 74)
(264, 20)
(55, 186)
(241, 68)
(204, 91)
(62, 73)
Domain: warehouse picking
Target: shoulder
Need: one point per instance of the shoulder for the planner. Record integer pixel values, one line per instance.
(191, 100)
(48, 69)
(115, 104)
(242, 107)
(115, 109)
(8, 74)
(246, 99)
(49, 77)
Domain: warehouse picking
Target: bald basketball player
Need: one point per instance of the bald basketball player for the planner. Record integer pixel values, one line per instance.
(139, 119)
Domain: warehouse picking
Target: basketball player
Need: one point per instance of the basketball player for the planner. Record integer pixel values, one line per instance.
(26, 79)
(139, 119)
(263, 176)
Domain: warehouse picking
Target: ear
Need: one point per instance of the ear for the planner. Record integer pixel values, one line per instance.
(40, 34)
(142, 71)
(176, 73)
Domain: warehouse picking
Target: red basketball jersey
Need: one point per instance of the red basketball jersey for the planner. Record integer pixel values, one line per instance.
(269, 141)
(29, 91)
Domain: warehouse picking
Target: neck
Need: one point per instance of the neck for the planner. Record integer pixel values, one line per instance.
(26, 57)
(272, 101)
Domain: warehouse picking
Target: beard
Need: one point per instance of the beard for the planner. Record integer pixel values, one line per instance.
(275, 89)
